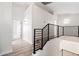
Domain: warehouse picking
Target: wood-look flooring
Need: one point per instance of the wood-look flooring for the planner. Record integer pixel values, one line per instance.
(20, 48)
(68, 53)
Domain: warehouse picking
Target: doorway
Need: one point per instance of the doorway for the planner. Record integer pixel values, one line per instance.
(21, 43)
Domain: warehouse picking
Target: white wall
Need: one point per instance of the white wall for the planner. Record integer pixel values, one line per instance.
(27, 25)
(5, 27)
(70, 19)
(22, 13)
(40, 18)
(18, 11)
(16, 29)
(52, 19)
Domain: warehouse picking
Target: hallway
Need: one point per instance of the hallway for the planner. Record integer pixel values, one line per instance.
(20, 48)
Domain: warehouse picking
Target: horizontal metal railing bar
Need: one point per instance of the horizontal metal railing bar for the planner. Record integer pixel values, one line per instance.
(37, 44)
(45, 26)
(37, 28)
(45, 43)
(38, 35)
(60, 26)
(38, 32)
(38, 38)
(53, 24)
(37, 49)
(64, 26)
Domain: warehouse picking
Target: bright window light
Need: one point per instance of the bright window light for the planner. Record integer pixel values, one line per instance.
(55, 22)
(66, 21)
(25, 20)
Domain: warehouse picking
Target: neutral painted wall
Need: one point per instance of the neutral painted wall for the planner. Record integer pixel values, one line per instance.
(16, 29)
(53, 46)
(40, 18)
(27, 25)
(5, 27)
(18, 11)
(22, 15)
(70, 19)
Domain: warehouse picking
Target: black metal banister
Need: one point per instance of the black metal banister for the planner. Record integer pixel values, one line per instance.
(78, 31)
(58, 31)
(41, 36)
(45, 26)
(63, 31)
(42, 40)
(37, 40)
(48, 32)
(45, 34)
(34, 43)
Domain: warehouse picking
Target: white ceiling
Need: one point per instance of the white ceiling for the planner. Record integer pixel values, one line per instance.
(44, 7)
(21, 4)
(18, 10)
(64, 7)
